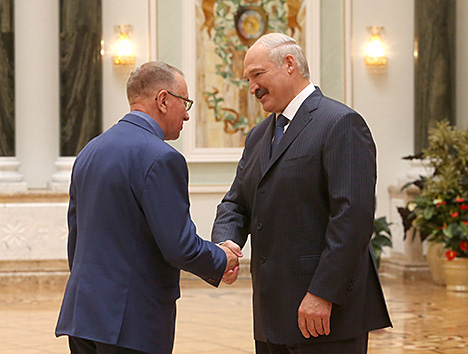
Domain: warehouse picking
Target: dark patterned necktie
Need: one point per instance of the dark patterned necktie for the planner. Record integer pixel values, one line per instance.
(281, 122)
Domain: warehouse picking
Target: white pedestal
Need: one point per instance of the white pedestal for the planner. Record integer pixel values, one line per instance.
(60, 180)
(407, 259)
(11, 181)
(417, 169)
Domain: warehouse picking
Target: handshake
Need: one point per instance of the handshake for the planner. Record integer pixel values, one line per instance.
(233, 253)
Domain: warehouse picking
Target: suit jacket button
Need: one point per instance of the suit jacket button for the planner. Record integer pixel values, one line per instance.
(263, 259)
(259, 226)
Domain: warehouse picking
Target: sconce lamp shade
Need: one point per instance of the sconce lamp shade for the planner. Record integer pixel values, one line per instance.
(124, 54)
(375, 55)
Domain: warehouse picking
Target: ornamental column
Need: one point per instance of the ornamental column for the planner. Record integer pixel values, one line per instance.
(10, 179)
(37, 88)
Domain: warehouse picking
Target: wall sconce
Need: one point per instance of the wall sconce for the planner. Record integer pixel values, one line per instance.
(124, 54)
(375, 55)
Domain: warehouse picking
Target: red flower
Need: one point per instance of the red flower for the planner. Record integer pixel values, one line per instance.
(463, 245)
(454, 215)
(450, 255)
(465, 222)
(441, 203)
(460, 200)
(463, 207)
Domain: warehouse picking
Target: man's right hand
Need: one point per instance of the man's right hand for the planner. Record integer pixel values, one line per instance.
(314, 316)
(233, 253)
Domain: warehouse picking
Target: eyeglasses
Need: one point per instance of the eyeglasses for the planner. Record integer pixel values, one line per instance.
(187, 102)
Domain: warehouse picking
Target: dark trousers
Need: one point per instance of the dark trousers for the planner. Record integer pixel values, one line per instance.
(351, 346)
(85, 346)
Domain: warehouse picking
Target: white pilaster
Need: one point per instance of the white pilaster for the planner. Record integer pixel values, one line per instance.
(37, 88)
(10, 179)
(60, 180)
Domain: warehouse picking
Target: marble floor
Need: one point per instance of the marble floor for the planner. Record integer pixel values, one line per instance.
(426, 318)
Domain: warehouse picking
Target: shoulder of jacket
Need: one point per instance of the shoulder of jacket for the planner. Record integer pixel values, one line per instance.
(262, 126)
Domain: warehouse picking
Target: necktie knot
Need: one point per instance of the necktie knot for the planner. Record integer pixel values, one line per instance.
(281, 122)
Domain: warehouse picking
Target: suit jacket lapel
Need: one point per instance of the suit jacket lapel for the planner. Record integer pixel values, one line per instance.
(300, 120)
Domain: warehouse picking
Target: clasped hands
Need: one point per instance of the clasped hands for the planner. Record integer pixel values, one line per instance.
(233, 253)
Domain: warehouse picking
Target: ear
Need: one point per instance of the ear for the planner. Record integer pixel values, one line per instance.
(290, 63)
(161, 101)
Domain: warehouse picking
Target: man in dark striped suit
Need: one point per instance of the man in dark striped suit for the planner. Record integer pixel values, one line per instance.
(305, 192)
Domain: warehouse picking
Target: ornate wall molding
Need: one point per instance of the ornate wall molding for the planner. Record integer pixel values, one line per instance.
(33, 231)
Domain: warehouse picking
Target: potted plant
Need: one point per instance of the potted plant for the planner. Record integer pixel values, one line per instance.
(441, 210)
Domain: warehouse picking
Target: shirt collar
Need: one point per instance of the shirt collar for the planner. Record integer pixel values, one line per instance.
(157, 129)
(293, 106)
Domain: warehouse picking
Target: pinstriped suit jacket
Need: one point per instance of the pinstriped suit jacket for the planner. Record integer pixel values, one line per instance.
(309, 210)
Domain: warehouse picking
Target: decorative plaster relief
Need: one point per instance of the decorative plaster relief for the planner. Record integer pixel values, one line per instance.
(33, 231)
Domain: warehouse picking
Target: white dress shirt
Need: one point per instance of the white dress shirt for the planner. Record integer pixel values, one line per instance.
(293, 106)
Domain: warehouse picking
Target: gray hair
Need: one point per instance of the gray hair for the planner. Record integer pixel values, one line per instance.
(150, 77)
(279, 45)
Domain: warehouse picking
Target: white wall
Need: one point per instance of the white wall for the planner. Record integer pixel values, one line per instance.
(386, 99)
(123, 12)
(332, 75)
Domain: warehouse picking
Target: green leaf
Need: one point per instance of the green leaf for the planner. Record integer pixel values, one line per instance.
(464, 228)
(428, 213)
(454, 229)
(447, 231)
(381, 241)
(382, 226)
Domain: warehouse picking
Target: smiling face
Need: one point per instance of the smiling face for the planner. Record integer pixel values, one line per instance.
(273, 86)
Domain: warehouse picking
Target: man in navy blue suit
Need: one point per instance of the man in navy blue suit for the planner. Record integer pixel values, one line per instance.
(304, 191)
(130, 230)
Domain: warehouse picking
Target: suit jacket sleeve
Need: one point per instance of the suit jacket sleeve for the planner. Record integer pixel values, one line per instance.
(350, 170)
(233, 217)
(165, 203)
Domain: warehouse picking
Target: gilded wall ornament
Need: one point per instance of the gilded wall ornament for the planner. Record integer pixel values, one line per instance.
(251, 23)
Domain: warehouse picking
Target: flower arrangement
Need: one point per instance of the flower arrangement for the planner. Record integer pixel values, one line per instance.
(440, 212)
(443, 219)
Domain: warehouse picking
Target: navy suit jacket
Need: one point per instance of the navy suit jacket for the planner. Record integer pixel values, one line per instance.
(130, 232)
(309, 210)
